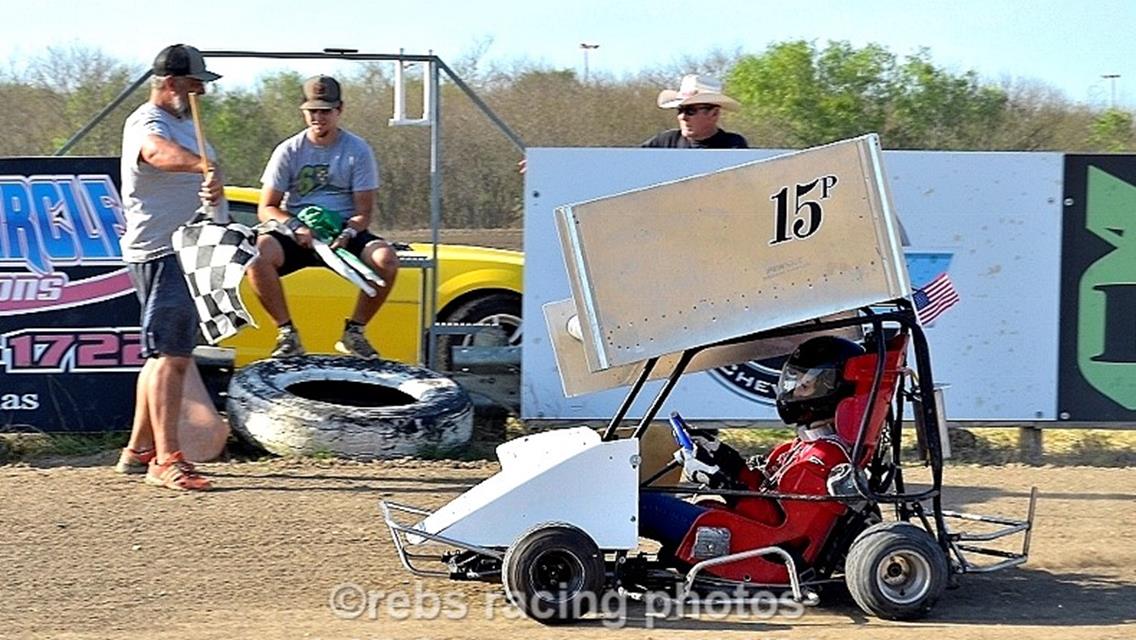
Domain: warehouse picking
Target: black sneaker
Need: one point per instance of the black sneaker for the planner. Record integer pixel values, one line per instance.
(354, 343)
(288, 343)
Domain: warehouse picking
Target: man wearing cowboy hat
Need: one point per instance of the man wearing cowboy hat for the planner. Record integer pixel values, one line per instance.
(699, 102)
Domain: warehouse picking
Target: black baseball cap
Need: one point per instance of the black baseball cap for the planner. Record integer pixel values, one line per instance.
(182, 60)
(321, 92)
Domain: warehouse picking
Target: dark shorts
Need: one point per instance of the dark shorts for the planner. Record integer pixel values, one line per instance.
(297, 257)
(169, 318)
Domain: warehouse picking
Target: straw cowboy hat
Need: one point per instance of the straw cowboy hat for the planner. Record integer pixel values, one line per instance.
(695, 89)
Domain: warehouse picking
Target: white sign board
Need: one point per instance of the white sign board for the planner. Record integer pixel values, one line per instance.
(992, 220)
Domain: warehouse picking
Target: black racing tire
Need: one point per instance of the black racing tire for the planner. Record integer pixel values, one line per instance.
(896, 571)
(348, 407)
(554, 573)
(501, 309)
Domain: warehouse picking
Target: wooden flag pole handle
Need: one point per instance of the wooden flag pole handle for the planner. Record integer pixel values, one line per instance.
(200, 134)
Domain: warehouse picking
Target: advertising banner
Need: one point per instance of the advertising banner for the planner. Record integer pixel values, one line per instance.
(1098, 290)
(69, 334)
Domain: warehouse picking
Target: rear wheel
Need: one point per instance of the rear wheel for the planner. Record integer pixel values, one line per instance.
(501, 309)
(554, 573)
(896, 570)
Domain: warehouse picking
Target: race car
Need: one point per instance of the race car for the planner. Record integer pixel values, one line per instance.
(576, 518)
(834, 504)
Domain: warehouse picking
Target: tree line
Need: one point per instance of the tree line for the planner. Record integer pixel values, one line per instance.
(794, 94)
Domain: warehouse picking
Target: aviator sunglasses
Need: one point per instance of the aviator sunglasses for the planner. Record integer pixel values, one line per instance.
(693, 109)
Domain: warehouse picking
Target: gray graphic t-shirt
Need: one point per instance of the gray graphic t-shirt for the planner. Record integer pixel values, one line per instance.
(310, 174)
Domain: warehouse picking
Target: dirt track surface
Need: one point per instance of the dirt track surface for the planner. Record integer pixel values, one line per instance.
(88, 554)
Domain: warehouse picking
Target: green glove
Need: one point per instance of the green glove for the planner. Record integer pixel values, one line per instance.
(324, 223)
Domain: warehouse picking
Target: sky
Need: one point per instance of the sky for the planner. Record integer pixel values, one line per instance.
(1065, 44)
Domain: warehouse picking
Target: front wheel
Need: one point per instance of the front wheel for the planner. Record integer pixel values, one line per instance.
(896, 570)
(554, 573)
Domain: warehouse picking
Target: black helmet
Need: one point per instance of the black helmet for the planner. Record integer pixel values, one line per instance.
(812, 381)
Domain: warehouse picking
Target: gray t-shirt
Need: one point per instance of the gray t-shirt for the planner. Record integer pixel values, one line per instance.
(310, 174)
(156, 202)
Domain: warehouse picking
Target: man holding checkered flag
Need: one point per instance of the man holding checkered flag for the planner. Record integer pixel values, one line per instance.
(163, 187)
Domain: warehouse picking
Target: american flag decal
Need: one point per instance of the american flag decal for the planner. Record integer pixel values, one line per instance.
(934, 298)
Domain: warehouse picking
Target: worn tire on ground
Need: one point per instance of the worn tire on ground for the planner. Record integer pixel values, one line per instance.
(348, 407)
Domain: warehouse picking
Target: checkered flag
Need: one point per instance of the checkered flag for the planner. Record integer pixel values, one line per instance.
(214, 258)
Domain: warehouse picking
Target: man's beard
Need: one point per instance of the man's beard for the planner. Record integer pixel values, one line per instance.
(181, 105)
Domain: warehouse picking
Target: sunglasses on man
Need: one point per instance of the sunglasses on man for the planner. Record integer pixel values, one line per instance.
(694, 109)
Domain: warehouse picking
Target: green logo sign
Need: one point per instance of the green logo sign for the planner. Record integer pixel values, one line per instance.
(1106, 324)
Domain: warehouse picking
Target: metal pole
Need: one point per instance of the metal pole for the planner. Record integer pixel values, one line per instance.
(1111, 77)
(435, 203)
(587, 47)
(399, 93)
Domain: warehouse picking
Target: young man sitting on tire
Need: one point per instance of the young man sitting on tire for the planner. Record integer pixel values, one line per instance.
(324, 166)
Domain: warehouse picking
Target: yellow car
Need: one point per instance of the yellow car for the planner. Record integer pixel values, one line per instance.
(475, 285)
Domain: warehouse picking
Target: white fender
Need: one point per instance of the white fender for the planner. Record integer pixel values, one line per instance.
(567, 475)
